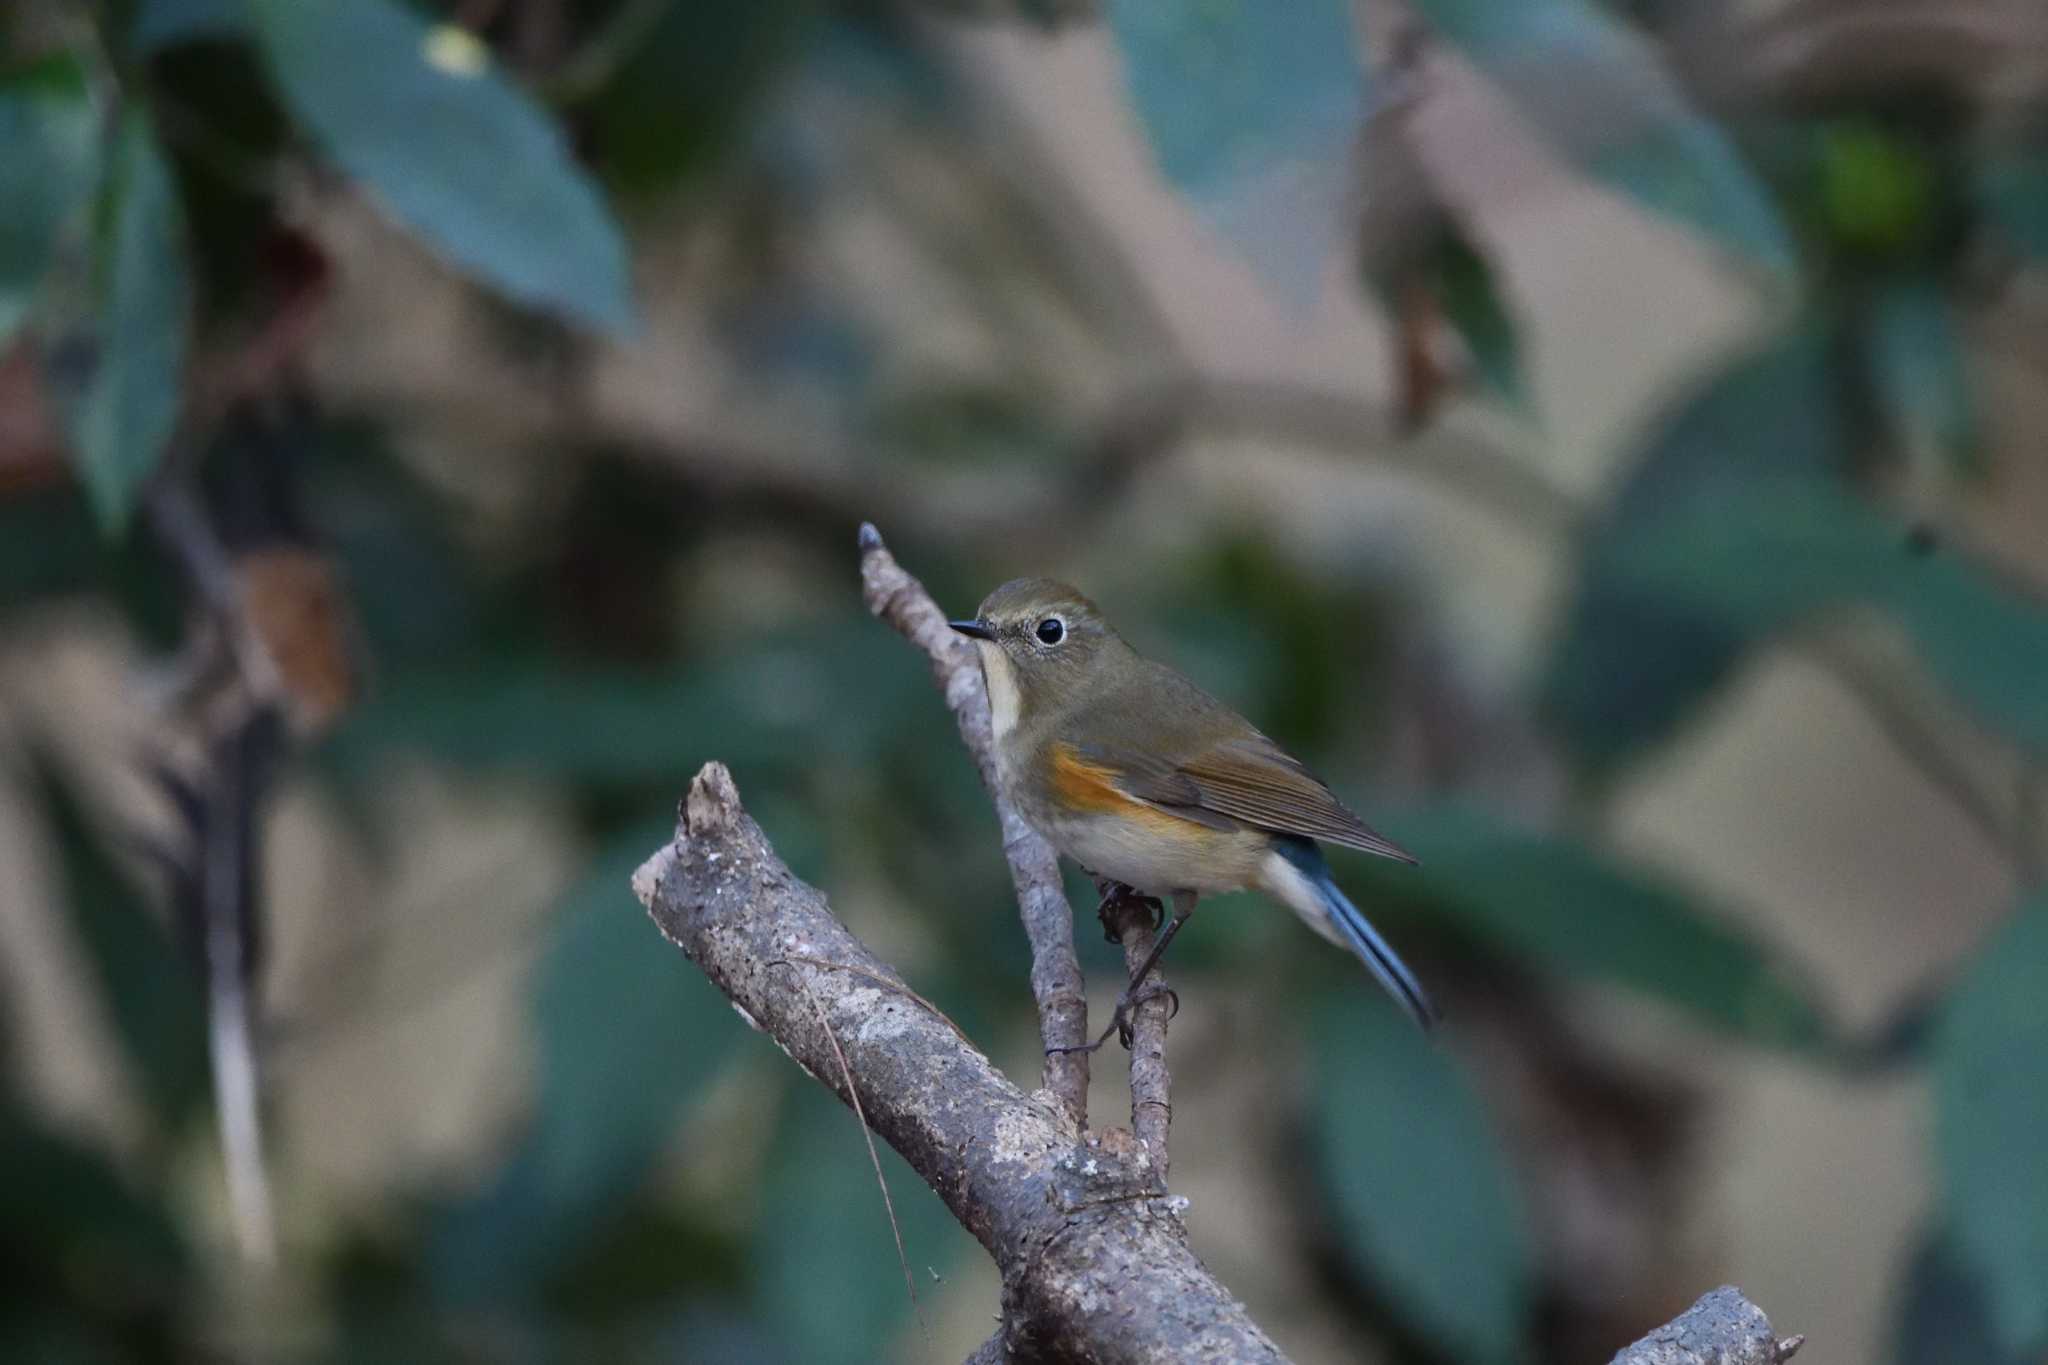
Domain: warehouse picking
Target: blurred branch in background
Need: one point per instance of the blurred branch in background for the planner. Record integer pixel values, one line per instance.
(214, 867)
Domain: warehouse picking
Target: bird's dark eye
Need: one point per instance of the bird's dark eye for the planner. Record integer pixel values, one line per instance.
(1051, 630)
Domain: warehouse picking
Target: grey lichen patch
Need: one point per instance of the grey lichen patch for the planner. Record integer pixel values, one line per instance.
(883, 1016)
(1019, 1138)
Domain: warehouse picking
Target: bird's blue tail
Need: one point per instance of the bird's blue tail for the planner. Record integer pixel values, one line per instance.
(1351, 923)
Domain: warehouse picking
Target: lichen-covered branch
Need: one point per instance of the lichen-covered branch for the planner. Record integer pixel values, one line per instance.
(1094, 1258)
(1723, 1328)
(901, 601)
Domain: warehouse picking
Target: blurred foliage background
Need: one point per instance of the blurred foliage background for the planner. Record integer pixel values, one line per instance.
(1602, 436)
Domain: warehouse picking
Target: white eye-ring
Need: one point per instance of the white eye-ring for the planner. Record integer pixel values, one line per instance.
(1051, 630)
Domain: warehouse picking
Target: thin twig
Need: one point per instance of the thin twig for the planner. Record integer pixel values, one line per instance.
(1132, 919)
(868, 1136)
(901, 601)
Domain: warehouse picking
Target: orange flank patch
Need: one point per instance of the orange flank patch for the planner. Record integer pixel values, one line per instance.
(1082, 786)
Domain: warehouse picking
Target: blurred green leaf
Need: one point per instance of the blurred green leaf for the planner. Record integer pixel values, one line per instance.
(87, 1259)
(1919, 372)
(1943, 1317)
(1234, 84)
(1473, 302)
(629, 1034)
(1048, 14)
(48, 544)
(648, 1261)
(1990, 1064)
(2012, 194)
(1561, 903)
(1765, 557)
(420, 114)
(830, 1278)
(1418, 1183)
(1879, 191)
(1597, 90)
(158, 24)
(679, 101)
(629, 1030)
(146, 983)
(48, 159)
(1252, 110)
(1737, 525)
(123, 416)
(1629, 665)
(778, 702)
(395, 541)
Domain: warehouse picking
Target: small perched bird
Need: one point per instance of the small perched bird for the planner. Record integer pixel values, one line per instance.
(1143, 778)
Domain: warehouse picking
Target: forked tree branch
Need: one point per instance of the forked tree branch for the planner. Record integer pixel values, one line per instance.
(1094, 1257)
(1093, 1254)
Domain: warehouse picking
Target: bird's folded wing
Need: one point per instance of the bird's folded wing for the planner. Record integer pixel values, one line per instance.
(1252, 782)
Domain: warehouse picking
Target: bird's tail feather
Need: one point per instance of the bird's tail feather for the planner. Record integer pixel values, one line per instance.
(1357, 931)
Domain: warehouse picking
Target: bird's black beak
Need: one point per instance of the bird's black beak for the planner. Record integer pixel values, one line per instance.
(973, 630)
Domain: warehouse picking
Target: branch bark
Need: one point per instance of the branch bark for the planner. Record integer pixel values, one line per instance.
(1722, 1328)
(1132, 920)
(901, 601)
(1094, 1257)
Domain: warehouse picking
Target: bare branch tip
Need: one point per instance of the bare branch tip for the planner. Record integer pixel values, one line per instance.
(712, 800)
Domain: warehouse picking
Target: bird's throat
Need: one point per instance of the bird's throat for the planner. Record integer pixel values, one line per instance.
(1003, 700)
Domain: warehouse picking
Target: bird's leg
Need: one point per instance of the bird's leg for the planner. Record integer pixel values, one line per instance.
(1119, 899)
(1132, 997)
